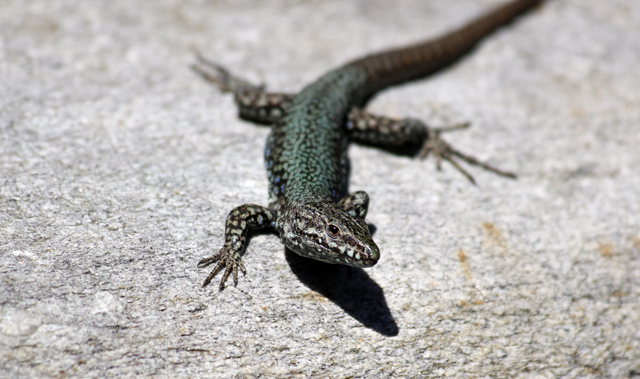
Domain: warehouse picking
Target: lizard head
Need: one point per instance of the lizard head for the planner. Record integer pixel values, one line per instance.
(324, 231)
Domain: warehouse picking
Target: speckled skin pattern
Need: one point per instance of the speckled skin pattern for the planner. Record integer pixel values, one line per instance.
(305, 153)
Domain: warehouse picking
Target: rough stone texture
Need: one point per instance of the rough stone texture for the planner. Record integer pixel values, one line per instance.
(119, 165)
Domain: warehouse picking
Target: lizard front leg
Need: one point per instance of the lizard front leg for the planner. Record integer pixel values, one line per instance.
(372, 129)
(239, 222)
(356, 204)
(254, 103)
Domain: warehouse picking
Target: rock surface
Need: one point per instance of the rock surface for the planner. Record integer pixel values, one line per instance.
(119, 165)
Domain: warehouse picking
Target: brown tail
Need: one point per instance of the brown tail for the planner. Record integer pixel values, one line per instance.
(415, 61)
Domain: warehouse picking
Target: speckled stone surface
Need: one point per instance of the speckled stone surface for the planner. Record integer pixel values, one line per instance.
(118, 166)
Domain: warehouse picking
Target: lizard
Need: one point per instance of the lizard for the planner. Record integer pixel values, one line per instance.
(306, 150)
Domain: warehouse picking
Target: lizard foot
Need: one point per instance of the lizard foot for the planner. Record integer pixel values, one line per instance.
(228, 258)
(221, 77)
(441, 150)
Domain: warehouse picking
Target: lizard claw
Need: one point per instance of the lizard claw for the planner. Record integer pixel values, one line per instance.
(226, 258)
(221, 77)
(441, 150)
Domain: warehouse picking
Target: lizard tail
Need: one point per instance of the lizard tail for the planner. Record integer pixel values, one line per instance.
(396, 66)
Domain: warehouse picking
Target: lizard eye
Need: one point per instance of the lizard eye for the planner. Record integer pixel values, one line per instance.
(333, 230)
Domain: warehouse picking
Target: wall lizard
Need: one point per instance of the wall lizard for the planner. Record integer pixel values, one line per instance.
(305, 153)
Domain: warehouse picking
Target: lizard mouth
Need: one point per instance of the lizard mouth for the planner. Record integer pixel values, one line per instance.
(352, 258)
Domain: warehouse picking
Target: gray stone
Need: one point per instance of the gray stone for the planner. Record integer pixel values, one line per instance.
(118, 166)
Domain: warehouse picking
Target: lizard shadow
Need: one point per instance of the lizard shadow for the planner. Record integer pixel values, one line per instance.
(349, 288)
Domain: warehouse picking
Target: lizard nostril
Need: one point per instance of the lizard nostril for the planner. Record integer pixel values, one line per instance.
(373, 253)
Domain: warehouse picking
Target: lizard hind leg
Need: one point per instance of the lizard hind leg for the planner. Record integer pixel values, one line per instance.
(378, 130)
(254, 103)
